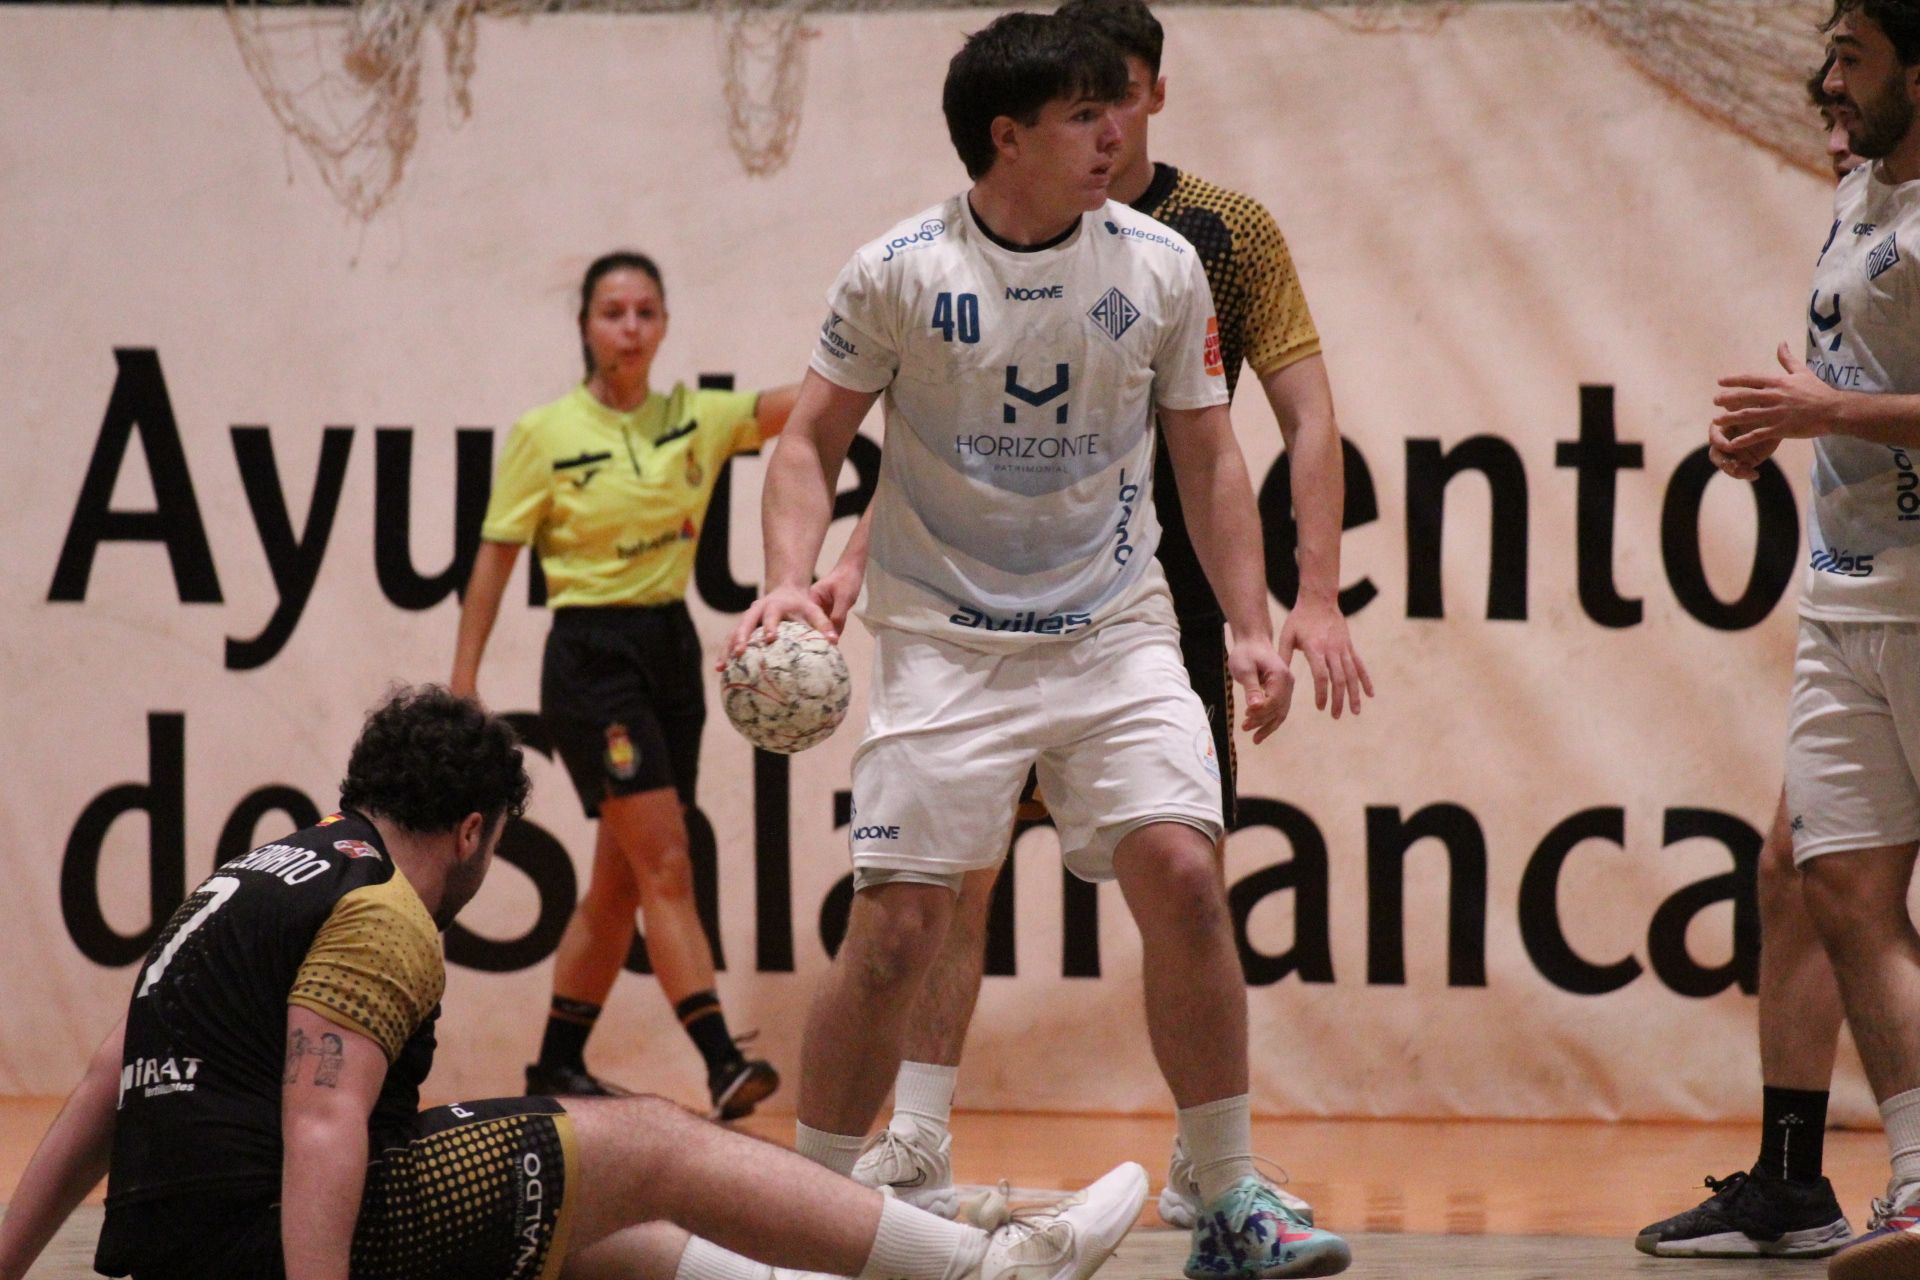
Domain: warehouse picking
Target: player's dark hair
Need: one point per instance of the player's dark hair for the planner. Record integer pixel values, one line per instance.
(1817, 88)
(1128, 23)
(426, 759)
(1900, 19)
(604, 265)
(1016, 65)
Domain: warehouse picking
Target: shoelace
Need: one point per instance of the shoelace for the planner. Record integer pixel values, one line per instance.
(896, 1150)
(1273, 1172)
(1033, 1222)
(1720, 1186)
(1248, 1198)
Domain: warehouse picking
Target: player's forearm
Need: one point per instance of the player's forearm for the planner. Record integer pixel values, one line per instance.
(1224, 524)
(1302, 402)
(492, 566)
(323, 1174)
(853, 557)
(1882, 419)
(69, 1163)
(795, 508)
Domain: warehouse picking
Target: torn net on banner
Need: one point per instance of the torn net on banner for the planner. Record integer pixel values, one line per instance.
(345, 80)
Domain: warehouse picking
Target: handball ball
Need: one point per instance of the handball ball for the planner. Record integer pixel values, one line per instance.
(786, 693)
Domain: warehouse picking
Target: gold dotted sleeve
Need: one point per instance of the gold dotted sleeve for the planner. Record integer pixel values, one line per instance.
(375, 966)
(1280, 329)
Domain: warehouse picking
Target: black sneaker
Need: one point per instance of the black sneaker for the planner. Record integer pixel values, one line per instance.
(1749, 1217)
(739, 1086)
(569, 1082)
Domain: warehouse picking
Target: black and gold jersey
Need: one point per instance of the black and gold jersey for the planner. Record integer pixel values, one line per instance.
(1264, 322)
(322, 919)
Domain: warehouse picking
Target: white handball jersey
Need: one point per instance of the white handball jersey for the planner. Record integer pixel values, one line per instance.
(1016, 498)
(1863, 334)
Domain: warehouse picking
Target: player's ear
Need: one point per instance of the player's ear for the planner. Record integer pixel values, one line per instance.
(1158, 98)
(469, 836)
(1005, 132)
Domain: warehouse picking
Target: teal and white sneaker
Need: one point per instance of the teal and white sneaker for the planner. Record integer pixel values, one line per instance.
(1250, 1232)
(1180, 1198)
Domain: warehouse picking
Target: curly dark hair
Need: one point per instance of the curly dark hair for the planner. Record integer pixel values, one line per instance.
(1900, 19)
(426, 759)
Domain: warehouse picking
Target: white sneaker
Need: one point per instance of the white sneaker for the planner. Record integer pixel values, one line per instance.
(1180, 1198)
(1071, 1239)
(919, 1174)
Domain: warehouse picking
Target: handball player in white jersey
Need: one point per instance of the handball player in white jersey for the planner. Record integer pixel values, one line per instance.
(1024, 334)
(1853, 745)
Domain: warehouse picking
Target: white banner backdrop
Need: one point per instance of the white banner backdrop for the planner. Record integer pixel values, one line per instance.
(1529, 265)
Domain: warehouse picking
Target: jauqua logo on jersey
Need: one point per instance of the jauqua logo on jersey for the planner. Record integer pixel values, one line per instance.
(157, 1077)
(837, 344)
(1024, 622)
(930, 230)
(1123, 532)
(646, 546)
(1152, 237)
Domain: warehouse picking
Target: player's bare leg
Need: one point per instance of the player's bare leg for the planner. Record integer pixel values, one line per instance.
(913, 1154)
(1800, 1009)
(643, 1161)
(1196, 999)
(1782, 1206)
(859, 1017)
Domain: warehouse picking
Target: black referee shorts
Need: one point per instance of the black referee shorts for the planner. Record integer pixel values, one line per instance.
(623, 693)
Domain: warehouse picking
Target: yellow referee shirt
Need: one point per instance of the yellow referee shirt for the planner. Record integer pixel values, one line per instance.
(613, 502)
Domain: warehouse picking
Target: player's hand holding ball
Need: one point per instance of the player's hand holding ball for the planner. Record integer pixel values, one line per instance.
(788, 691)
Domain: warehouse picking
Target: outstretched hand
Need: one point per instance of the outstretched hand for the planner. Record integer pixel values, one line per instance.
(1766, 408)
(1318, 630)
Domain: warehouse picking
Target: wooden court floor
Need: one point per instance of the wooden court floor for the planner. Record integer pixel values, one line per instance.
(1502, 1200)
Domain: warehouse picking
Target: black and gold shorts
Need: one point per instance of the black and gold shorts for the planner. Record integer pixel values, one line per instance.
(480, 1193)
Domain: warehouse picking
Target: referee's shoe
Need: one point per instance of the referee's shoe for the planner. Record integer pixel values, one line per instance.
(739, 1086)
(1750, 1217)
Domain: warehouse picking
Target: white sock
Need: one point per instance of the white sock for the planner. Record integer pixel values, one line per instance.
(913, 1244)
(837, 1151)
(705, 1260)
(1218, 1137)
(923, 1099)
(1901, 1113)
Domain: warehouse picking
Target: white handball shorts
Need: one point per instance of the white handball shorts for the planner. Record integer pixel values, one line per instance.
(1853, 737)
(1108, 720)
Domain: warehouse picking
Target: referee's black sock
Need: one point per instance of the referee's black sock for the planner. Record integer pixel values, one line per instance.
(569, 1023)
(1793, 1134)
(707, 1028)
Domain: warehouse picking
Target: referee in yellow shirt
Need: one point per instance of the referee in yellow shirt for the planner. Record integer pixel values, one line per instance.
(610, 483)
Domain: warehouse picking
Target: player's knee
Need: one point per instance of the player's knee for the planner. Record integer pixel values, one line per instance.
(611, 901)
(666, 872)
(1843, 904)
(895, 931)
(1186, 885)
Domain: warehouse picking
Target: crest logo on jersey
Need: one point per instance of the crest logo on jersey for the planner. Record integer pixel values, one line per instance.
(356, 848)
(1114, 313)
(1884, 258)
(622, 760)
(1216, 366)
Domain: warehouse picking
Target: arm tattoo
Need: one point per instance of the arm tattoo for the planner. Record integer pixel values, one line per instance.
(331, 1052)
(296, 1050)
